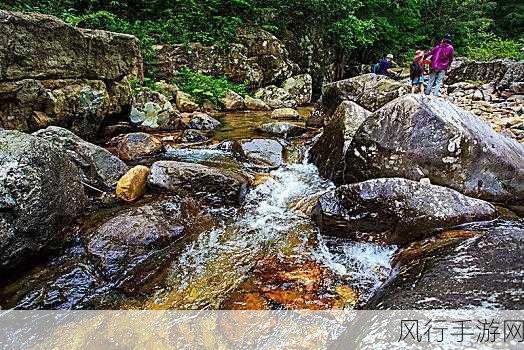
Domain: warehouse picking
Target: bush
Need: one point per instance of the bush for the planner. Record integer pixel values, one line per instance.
(486, 47)
(206, 87)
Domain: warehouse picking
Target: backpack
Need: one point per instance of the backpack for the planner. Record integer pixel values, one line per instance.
(375, 68)
(415, 70)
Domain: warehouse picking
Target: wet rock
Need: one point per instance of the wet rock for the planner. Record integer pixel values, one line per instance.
(215, 156)
(192, 136)
(132, 247)
(265, 152)
(483, 271)
(328, 152)
(40, 194)
(217, 185)
(136, 145)
(395, 211)
(57, 74)
(255, 104)
(300, 88)
(368, 90)
(283, 129)
(233, 101)
(202, 121)
(275, 97)
(98, 167)
(152, 110)
(184, 103)
(285, 113)
(415, 137)
(132, 185)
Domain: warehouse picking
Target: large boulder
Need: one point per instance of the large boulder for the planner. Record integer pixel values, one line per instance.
(275, 97)
(416, 137)
(184, 103)
(255, 104)
(368, 90)
(136, 145)
(395, 211)
(300, 88)
(153, 110)
(217, 185)
(56, 74)
(505, 75)
(329, 151)
(40, 193)
(285, 113)
(132, 247)
(258, 59)
(98, 167)
(481, 270)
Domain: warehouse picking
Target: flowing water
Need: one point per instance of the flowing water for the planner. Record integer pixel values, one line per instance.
(265, 254)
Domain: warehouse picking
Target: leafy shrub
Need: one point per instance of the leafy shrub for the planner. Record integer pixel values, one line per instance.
(487, 46)
(206, 87)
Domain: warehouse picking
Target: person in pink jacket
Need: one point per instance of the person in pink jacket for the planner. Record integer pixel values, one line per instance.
(441, 58)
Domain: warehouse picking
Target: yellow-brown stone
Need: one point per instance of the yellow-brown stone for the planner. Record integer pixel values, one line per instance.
(132, 185)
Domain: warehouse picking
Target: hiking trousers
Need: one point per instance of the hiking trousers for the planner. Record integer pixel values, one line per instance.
(435, 81)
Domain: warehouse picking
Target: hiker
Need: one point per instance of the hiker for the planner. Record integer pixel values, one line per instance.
(441, 58)
(383, 66)
(417, 71)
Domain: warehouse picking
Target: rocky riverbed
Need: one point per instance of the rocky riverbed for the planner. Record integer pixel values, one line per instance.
(372, 198)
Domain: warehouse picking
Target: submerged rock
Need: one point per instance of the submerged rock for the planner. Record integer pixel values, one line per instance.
(285, 113)
(98, 167)
(266, 152)
(368, 90)
(300, 88)
(136, 145)
(40, 194)
(202, 121)
(329, 151)
(483, 271)
(132, 247)
(233, 101)
(283, 129)
(217, 185)
(395, 210)
(132, 185)
(416, 137)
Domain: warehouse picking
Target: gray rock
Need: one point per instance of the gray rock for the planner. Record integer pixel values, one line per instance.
(233, 101)
(275, 97)
(265, 152)
(300, 87)
(329, 151)
(415, 137)
(192, 135)
(153, 110)
(255, 104)
(40, 194)
(395, 210)
(368, 90)
(98, 167)
(202, 121)
(283, 129)
(218, 186)
(479, 272)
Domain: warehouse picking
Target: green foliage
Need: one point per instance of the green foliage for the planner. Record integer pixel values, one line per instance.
(360, 31)
(147, 83)
(206, 87)
(485, 47)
